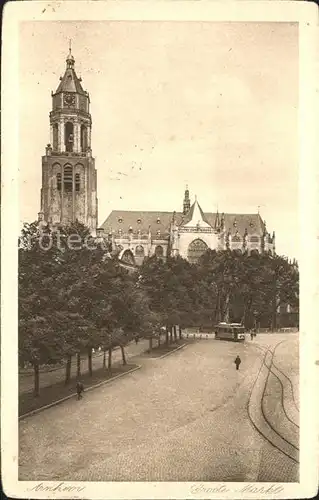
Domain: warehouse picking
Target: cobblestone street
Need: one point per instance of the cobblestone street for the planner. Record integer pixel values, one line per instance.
(182, 418)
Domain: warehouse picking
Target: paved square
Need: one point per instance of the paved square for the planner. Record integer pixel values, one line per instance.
(181, 418)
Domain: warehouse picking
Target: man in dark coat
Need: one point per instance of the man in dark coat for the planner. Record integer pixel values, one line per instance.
(79, 389)
(237, 362)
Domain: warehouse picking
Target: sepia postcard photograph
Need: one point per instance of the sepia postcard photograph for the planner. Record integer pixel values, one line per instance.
(159, 270)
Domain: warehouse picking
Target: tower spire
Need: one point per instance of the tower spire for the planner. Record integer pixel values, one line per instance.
(186, 202)
(217, 220)
(70, 59)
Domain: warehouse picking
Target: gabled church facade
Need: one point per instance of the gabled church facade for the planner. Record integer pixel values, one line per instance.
(69, 194)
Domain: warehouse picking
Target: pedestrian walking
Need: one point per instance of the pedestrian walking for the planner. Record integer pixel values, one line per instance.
(237, 362)
(79, 389)
(252, 336)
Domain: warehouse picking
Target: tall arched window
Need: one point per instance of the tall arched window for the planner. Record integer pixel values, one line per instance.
(67, 179)
(69, 136)
(254, 251)
(55, 136)
(58, 181)
(195, 250)
(237, 251)
(77, 182)
(84, 135)
(139, 251)
(128, 257)
(159, 252)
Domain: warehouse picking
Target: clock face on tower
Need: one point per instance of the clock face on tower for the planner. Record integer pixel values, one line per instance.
(69, 99)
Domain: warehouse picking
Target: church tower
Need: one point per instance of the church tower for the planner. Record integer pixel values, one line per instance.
(69, 178)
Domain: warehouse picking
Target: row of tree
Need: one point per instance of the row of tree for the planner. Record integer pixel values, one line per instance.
(73, 299)
(222, 286)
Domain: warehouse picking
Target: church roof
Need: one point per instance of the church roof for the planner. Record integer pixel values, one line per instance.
(140, 221)
(196, 217)
(239, 222)
(70, 82)
(160, 221)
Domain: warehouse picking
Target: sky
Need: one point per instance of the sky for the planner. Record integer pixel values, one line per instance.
(212, 105)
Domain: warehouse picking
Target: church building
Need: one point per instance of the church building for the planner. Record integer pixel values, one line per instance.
(188, 233)
(69, 194)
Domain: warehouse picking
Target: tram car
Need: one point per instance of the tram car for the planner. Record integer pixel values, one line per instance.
(230, 331)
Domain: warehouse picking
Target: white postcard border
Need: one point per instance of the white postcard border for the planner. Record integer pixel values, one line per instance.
(306, 14)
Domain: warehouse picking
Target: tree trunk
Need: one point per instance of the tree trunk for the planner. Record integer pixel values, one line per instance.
(36, 379)
(243, 318)
(68, 370)
(274, 321)
(217, 310)
(150, 344)
(159, 340)
(247, 311)
(90, 361)
(109, 363)
(78, 364)
(171, 334)
(123, 355)
(104, 358)
(180, 332)
(166, 336)
(226, 309)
